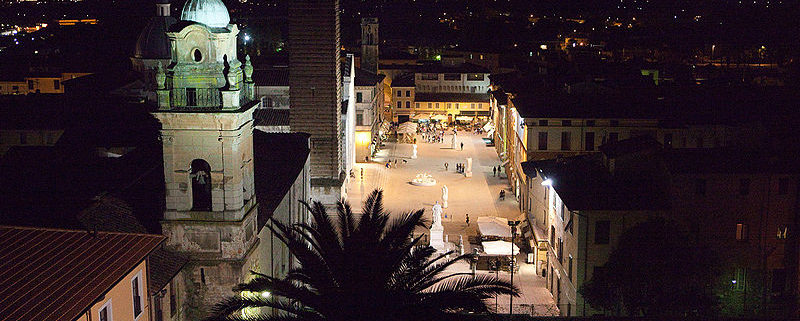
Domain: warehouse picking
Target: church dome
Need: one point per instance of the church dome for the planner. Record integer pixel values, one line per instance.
(153, 42)
(212, 13)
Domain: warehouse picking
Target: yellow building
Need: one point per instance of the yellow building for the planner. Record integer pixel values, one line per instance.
(59, 274)
(461, 107)
(44, 84)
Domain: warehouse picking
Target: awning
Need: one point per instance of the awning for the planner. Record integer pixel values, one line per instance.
(489, 134)
(464, 118)
(407, 128)
(498, 248)
(421, 116)
(488, 127)
(439, 117)
(494, 226)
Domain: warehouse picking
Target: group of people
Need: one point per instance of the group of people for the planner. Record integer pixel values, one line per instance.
(393, 163)
(497, 170)
(459, 167)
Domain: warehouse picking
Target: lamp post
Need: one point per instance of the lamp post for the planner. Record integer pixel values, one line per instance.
(513, 225)
(496, 266)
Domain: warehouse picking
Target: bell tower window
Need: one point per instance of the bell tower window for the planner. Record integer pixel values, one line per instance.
(201, 185)
(197, 55)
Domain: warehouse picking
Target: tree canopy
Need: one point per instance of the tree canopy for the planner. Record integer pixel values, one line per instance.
(365, 268)
(655, 270)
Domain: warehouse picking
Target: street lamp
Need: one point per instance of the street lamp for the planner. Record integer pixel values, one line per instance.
(513, 225)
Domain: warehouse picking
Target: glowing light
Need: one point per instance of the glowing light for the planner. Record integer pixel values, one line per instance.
(547, 182)
(246, 37)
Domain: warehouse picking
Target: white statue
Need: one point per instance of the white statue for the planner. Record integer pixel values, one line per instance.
(468, 167)
(437, 215)
(444, 196)
(414, 155)
(454, 142)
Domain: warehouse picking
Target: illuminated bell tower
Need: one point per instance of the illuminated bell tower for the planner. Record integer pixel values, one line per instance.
(205, 106)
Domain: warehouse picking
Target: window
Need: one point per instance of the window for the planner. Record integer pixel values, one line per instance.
(430, 106)
(56, 84)
(136, 286)
(191, 97)
(158, 311)
(475, 77)
(562, 209)
(449, 105)
(668, 140)
(408, 93)
(456, 105)
(700, 187)
(437, 105)
(173, 303)
(105, 312)
(30, 84)
(589, 141)
(359, 119)
(744, 186)
(359, 97)
(570, 224)
(602, 231)
(452, 76)
(741, 232)
(542, 122)
(613, 137)
(542, 140)
(565, 141)
(200, 177)
(613, 123)
(197, 55)
(566, 123)
(399, 104)
(416, 105)
(589, 123)
(408, 104)
(783, 186)
(430, 76)
(471, 106)
(569, 269)
(552, 235)
(560, 251)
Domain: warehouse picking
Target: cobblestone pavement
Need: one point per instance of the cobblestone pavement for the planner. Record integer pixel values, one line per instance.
(476, 196)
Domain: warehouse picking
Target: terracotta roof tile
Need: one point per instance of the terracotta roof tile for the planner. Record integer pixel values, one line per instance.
(48, 274)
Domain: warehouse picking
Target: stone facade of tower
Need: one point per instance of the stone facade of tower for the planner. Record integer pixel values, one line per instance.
(315, 91)
(205, 100)
(369, 44)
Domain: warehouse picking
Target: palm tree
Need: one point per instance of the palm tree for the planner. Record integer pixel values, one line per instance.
(369, 268)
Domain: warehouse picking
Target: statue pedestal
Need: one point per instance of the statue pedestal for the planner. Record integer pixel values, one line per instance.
(468, 168)
(444, 203)
(437, 238)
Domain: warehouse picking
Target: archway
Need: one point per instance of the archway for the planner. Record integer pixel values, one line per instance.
(200, 175)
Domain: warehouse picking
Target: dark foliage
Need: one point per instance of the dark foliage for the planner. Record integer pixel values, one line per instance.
(655, 270)
(368, 268)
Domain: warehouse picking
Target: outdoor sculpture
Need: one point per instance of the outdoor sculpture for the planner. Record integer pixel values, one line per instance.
(454, 142)
(437, 230)
(468, 167)
(437, 214)
(414, 155)
(423, 180)
(444, 196)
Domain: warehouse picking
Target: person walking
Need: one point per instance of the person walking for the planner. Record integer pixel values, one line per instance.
(362, 173)
(494, 171)
(467, 219)
(462, 145)
(445, 166)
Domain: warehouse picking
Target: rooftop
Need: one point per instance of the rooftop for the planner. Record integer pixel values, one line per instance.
(66, 270)
(465, 68)
(279, 159)
(367, 78)
(403, 80)
(583, 183)
(273, 77)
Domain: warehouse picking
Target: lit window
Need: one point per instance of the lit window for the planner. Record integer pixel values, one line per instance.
(741, 232)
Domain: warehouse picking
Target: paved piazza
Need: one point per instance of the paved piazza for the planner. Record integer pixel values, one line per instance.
(476, 196)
